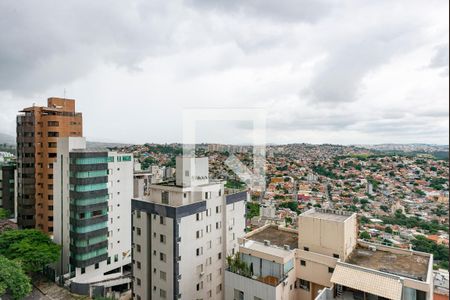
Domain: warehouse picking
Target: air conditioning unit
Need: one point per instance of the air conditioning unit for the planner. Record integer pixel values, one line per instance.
(202, 273)
(230, 228)
(373, 248)
(266, 242)
(286, 247)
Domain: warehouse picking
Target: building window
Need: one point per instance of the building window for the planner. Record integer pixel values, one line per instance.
(335, 255)
(162, 257)
(138, 231)
(162, 294)
(165, 197)
(198, 216)
(138, 264)
(138, 214)
(199, 251)
(116, 257)
(108, 260)
(83, 270)
(97, 265)
(306, 248)
(138, 248)
(162, 275)
(199, 285)
(138, 281)
(218, 210)
(238, 295)
(219, 256)
(219, 288)
(162, 221)
(303, 263)
(199, 234)
(304, 284)
(330, 270)
(162, 238)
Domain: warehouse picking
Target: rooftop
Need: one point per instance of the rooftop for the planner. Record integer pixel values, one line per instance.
(407, 264)
(327, 214)
(276, 237)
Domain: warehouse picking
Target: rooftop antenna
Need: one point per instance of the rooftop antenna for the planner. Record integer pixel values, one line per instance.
(64, 93)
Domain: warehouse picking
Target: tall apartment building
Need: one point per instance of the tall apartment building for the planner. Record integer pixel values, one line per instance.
(38, 129)
(328, 263)
(93, 191)
(8, 189)
(182, 233)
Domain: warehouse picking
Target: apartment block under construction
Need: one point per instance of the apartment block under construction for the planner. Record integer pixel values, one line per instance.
(38, 129)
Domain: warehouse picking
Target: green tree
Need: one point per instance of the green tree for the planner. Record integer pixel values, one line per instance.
(13, 279)
(364, 235)
(4, 214)
(31, 247)
(440, 252)
(292, 205)
(384, 208)
(252, 210)
(388, 229)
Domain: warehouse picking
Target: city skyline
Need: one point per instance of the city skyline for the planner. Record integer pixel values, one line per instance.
(327, 72)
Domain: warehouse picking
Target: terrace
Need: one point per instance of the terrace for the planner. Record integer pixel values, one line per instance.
(393, 261)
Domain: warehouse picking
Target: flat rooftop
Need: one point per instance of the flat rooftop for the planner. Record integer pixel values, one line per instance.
(409, 265)
(327, 214)
(276, 237)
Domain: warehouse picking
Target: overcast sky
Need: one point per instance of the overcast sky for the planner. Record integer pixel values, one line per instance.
(345, 72)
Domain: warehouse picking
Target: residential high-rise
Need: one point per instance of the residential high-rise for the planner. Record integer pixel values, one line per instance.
(93, 191)
(8, 181)
(324, 260)
(38, 129)
(182, 233)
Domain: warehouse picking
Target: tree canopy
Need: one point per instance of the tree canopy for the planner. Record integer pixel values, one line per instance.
(364, 235)
(13, 279)
(4, 213)
(31, 247)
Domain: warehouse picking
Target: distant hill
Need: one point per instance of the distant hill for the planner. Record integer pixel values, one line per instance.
(7, 139)
(11, 140)
(92, 145)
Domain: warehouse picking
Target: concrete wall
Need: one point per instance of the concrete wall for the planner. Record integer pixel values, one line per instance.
(327, 236)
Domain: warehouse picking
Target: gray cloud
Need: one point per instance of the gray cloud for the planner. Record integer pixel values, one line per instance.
(282, 10)
(45, 44)
(339, 77)
(440, 60)
(357, 64)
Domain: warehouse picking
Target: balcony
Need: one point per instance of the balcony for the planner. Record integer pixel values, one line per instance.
(243, 268)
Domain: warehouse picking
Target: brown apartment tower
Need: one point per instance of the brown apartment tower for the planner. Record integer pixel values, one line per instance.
(38, 129)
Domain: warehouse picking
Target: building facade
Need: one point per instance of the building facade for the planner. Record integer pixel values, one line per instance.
(38, 129)
(182, 233)
(93, 191)
(328, 263)
(8, 189)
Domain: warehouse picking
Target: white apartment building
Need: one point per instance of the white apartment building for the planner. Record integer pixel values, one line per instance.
(92, 203)
(182, 233)
(328, 263)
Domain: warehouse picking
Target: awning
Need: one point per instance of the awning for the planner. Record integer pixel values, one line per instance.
(367, 281)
